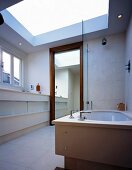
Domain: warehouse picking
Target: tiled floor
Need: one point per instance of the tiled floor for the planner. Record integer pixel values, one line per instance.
(34, 151)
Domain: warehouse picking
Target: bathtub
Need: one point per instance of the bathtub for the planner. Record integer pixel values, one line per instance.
(103, 137)
(105, 116)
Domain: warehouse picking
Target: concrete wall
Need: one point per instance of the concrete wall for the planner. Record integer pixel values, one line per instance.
(128, 85)
(106, 72)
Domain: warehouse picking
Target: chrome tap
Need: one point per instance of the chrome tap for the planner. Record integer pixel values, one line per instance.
(81, 115)
(71, 114)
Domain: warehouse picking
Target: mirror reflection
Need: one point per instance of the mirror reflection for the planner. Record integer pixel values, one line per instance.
(67, 82)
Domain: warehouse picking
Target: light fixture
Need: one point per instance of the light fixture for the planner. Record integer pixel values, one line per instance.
(119, 16)
(20, 43)
(1, 19)
(104, 41)
(128, 66)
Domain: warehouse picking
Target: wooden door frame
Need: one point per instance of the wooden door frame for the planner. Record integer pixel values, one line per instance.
(54, 50)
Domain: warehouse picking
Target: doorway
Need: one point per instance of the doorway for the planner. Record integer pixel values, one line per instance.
(55, 95)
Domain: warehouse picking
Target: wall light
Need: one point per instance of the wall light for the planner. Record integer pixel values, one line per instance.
(104, 41)
(128, 66)
(119, 16)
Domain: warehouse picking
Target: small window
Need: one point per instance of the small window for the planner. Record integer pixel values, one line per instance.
(6, 65)
(17, 71)
(10, 69)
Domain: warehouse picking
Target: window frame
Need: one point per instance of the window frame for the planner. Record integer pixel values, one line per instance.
(11, 84)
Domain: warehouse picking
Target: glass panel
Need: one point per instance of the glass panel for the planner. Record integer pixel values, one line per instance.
(0, 73)
(16, 71)
(67, 82)
(6, 67)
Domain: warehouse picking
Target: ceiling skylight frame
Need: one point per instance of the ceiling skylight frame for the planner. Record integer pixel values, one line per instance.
(50, 9)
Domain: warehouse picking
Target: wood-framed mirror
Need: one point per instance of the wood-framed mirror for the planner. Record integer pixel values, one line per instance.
(63, 49)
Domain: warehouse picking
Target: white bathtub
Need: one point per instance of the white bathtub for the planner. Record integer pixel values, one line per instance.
(106, 116)
(104, 137)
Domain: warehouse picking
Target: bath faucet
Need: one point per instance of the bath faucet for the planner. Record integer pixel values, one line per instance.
(81, 114)
(71, 116)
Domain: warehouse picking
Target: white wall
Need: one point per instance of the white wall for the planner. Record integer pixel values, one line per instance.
(104, 61)
(70, 91)
(61, 107)
(12, 49)
(38, 71)
(62, 92)
(76, 92)
(106, 72)
(128, 85)
(61, 81)
(69, 87)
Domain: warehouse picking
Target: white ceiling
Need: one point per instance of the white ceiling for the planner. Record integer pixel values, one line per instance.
(115, 7)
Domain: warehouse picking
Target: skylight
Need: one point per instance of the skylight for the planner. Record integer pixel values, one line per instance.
(69, 58)
(41, 16)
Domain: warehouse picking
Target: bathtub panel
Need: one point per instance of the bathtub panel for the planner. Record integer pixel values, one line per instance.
(104, 145)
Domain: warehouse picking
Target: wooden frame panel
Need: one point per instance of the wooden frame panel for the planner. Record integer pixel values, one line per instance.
(54, 50)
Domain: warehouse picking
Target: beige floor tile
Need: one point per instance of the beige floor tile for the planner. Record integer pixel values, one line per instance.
(34, 151)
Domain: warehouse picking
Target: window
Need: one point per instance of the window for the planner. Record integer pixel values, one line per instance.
(17, 71)
(10, 69)
(6, 67)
